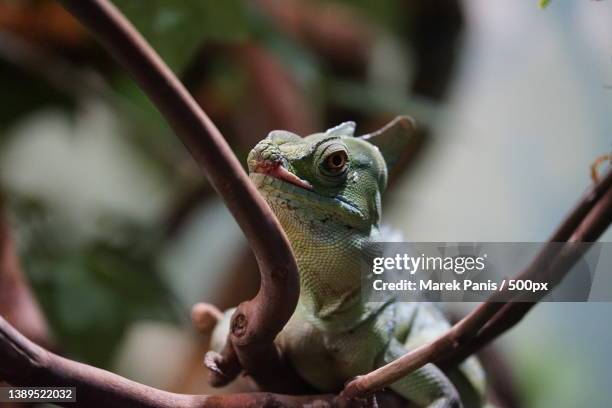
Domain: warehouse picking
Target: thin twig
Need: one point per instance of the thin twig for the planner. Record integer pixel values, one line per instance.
(584, 224)
(17, 303)
(256, 322)
(588, 231)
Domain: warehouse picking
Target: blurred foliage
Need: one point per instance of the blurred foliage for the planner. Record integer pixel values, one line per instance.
(93, 287)
(146, 128)
(383, 12)
(23, 93)
(177, 29)
(92, 291)
(549, 382)
(543, 3)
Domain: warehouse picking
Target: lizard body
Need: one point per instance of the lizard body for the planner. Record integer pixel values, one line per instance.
(325, 190)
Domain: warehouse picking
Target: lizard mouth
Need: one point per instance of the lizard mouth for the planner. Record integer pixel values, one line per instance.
(303, 193)
(276, 170)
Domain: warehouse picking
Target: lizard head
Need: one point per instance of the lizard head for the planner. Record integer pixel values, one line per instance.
(332, 176)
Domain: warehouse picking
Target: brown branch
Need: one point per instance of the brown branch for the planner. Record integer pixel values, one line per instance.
(17, 303)
(593, 225)
(584, 224)
(26, 364)
(258, 321)
(255, 325)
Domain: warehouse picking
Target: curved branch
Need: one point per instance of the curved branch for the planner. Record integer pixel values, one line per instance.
(26, 364)
(18, 304)
(593, 225)
(585, 224)
(257, 322)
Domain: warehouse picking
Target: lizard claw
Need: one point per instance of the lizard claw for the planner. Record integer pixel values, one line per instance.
(210, 361)
(214, 361)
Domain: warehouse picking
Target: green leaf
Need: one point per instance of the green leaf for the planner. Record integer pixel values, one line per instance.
(543, 3)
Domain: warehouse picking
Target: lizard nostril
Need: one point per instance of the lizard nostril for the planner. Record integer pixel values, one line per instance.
(264, 154)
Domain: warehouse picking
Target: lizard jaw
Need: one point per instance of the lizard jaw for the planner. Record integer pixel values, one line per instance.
(281, 189)
(277, 170)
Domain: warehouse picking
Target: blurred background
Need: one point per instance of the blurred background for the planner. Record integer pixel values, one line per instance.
(119, 233)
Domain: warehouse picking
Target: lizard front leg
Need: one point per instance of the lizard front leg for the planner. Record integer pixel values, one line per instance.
(427, 387)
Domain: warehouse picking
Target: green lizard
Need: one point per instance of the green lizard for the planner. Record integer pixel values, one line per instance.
(325, 190)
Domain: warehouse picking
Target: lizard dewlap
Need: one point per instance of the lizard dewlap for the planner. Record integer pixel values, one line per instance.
(325, 190)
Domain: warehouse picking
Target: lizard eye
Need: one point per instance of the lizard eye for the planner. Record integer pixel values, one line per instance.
(336, 161)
